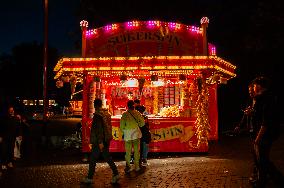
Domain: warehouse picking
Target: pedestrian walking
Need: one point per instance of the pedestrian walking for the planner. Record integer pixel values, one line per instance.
(101, 135)
(265, 128)
(130, 124)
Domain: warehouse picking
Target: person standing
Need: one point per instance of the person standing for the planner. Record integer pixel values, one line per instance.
(101, 135)
(136, 103)
(9, 129)
(130, 124)
(246, 123)
(146, 137)
(265, 127)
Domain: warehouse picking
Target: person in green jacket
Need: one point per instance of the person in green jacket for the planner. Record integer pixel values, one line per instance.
(130, 124)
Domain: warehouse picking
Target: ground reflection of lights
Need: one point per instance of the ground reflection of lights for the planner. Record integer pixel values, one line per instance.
(161, 171)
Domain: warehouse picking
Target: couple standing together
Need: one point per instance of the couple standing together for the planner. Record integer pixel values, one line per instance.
(101, 135)
(262, 120)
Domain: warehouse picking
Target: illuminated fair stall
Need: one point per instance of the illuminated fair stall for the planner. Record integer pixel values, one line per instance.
(169, 66)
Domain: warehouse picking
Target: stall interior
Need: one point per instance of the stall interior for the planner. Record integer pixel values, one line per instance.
(163, 96)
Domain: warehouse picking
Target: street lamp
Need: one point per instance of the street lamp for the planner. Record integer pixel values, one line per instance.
(45, 99)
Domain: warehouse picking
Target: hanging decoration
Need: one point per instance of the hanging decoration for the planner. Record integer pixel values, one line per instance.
(73, 80)
(202, 124)
(213, 79)
(199, 85)
(192, 94)
(155, 101)
(141, 82)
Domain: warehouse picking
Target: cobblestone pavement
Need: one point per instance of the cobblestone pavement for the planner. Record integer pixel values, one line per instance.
(226, 165)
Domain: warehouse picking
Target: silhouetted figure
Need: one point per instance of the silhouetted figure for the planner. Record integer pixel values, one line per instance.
(9, 130)
(146, 137)
(100, 138)
(265, 128)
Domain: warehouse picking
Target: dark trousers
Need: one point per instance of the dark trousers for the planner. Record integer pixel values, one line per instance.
(263, 163)
(141, 151)
(7, 153)
(254, 156)
(94, 156)
(26, 148)
(263, 159)
(264, 168)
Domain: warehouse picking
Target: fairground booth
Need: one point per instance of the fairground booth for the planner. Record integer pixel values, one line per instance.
(169, 66)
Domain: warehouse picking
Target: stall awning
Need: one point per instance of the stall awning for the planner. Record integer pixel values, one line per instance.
(151, 64)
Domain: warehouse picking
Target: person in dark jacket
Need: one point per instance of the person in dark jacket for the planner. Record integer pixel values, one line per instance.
(246, 124)
(9, 130)
(146, 137)
(265, 128)
(100, 140)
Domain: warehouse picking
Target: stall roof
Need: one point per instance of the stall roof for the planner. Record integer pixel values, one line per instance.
(151, 64)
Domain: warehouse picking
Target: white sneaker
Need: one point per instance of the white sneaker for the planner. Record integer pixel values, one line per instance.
(87, 181)
(115, 178)
(144, 162)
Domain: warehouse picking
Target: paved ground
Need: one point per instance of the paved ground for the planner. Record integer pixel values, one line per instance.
(227, 164)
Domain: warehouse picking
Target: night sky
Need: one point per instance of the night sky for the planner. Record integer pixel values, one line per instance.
(23, 21)
(246, 33)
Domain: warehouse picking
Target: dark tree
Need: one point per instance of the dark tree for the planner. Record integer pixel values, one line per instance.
(22, 71)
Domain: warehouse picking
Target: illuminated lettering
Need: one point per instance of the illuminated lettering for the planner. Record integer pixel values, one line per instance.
(175, 82)
(131, 37)
(143, 36)
(168, 133)
(139, 36)
(163, 134)
(158, 36)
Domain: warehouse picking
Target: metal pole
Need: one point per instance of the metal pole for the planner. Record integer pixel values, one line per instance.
(45, 99)
(204, 24)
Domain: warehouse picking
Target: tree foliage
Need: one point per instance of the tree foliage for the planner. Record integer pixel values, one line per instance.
(22, 71)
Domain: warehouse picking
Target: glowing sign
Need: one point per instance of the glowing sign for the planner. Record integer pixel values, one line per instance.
(132, 82)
